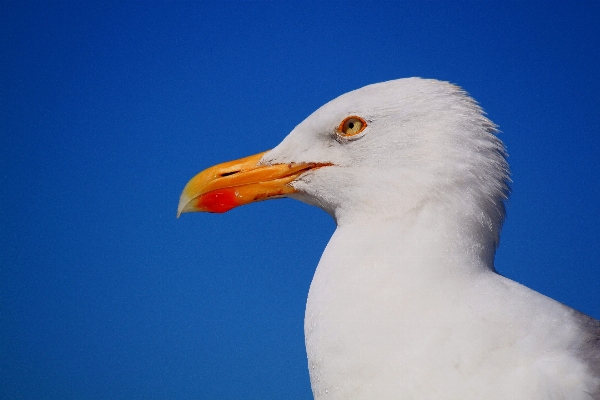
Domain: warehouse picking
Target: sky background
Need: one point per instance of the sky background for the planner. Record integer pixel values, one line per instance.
(108, 108)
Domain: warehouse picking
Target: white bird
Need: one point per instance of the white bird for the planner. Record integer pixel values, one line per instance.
(405, 302)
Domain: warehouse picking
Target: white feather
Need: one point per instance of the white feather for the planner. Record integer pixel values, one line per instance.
(405, 303)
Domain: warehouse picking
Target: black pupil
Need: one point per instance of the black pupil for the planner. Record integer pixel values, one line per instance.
(351, 125)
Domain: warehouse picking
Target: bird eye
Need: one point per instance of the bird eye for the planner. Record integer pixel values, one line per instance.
(352, 126)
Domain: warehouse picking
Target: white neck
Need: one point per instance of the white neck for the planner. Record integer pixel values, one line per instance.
(369, 275)
(394, 312)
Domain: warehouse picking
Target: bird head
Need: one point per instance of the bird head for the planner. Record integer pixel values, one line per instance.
(383, 150)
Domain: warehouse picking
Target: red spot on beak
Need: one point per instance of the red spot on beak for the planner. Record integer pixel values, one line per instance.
(218, 201)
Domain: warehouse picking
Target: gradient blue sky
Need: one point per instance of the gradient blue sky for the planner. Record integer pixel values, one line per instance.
(108, 108)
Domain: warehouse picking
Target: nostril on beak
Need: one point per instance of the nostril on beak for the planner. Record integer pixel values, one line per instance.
(224, 174)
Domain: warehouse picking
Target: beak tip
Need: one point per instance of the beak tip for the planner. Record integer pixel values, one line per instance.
(183, 203)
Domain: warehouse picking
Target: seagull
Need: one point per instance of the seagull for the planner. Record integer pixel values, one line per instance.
(405, 302)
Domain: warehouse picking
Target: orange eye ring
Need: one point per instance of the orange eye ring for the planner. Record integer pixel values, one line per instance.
(351, 126)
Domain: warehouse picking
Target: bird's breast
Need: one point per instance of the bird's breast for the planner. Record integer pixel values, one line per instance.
(381, 323)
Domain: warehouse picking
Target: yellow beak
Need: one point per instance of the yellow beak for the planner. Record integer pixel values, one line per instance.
(231, 184)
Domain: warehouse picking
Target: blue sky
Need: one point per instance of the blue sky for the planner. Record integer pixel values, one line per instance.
(108, 108)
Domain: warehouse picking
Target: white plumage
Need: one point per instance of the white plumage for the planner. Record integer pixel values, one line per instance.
(405, 302)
